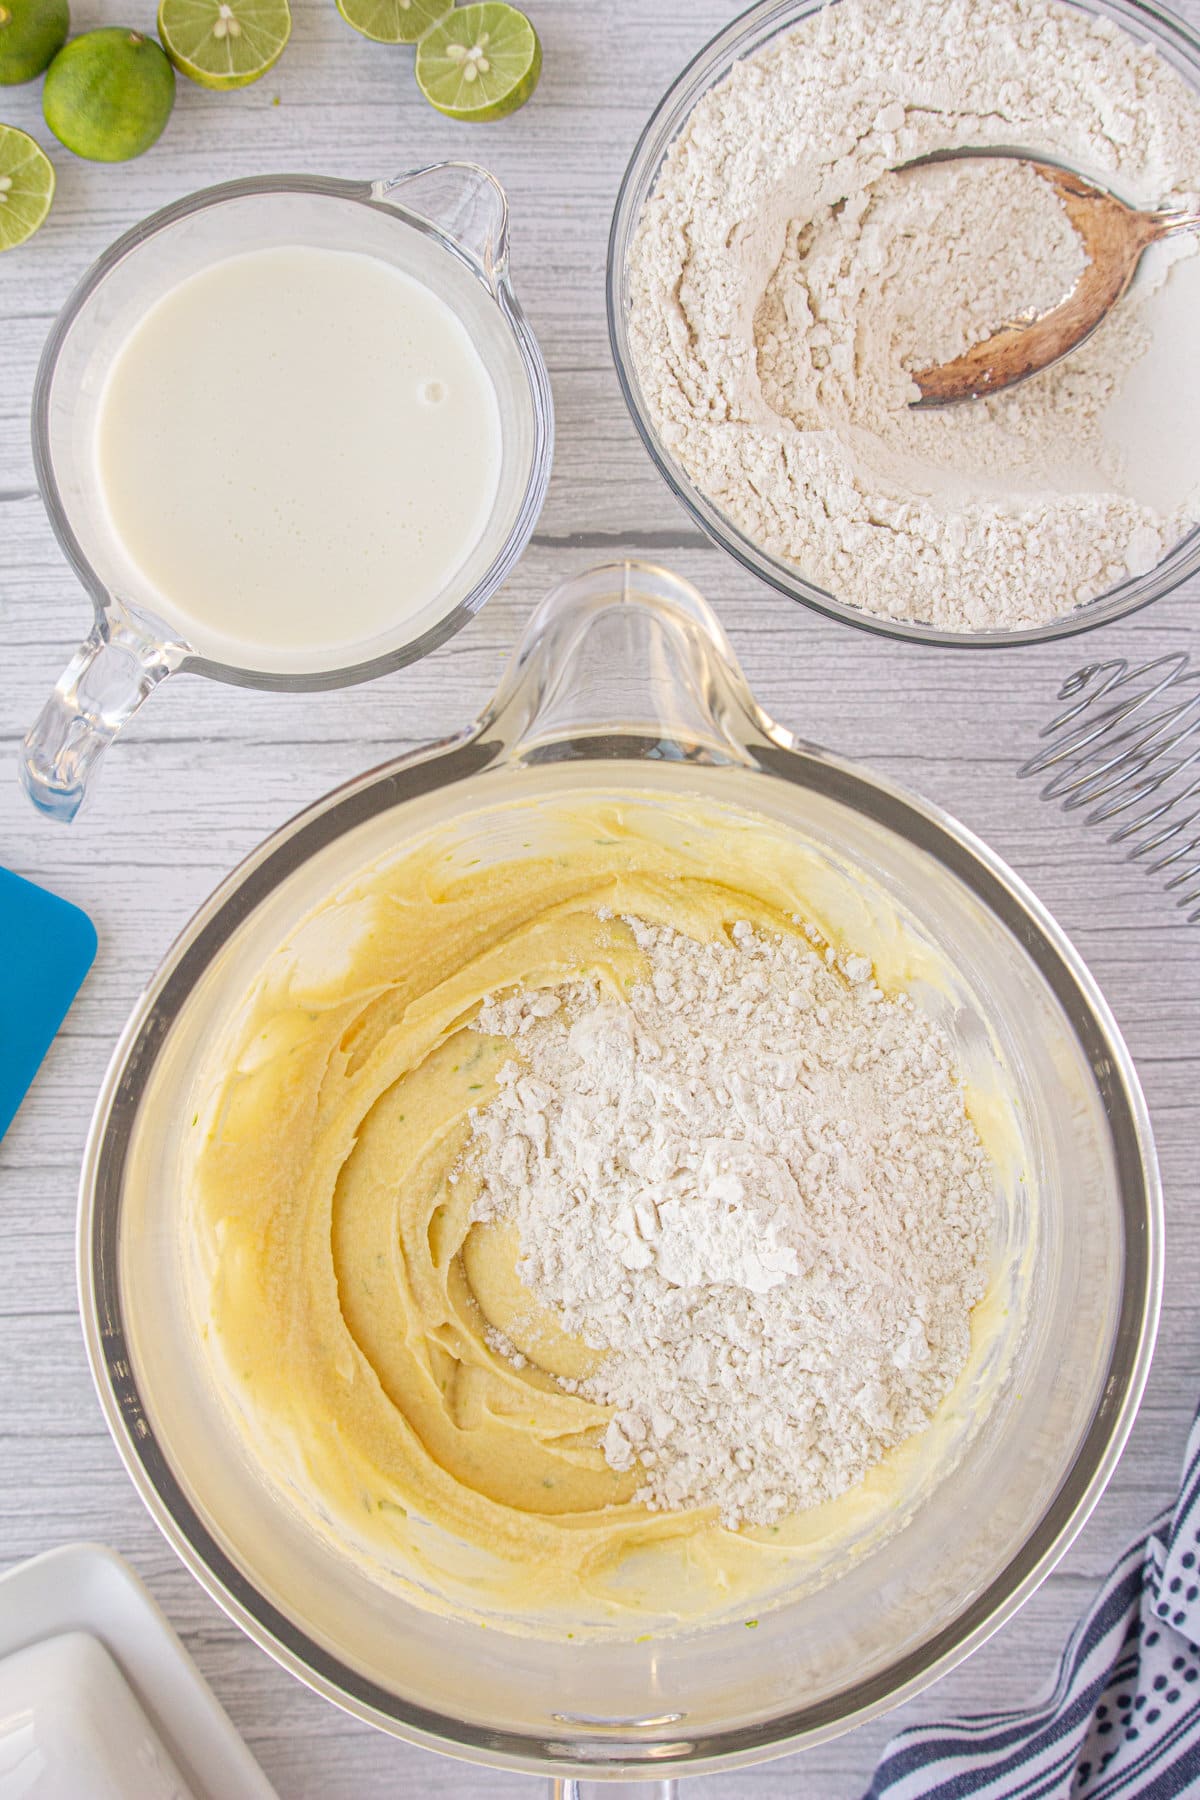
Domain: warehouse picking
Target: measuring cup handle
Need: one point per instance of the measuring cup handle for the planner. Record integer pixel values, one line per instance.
(103, 685)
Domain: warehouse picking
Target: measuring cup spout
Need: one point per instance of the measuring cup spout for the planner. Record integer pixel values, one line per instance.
(102, 686)
(467, 205)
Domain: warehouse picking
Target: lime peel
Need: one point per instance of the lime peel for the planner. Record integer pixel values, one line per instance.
(32, 32)
(109, 94)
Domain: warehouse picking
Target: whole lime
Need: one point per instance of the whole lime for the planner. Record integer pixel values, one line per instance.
(109, 94)
(32, 32)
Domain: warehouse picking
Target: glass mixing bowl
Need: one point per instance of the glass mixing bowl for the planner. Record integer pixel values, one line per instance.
(1147, 22)
(626, 688)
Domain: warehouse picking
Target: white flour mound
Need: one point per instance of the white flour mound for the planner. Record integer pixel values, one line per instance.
(785, 284)
(756, 1187)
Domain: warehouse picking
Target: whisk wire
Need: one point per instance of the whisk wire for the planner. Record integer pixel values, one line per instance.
(1184, 874)
(1115, 753)
(1141, 790)
(1144, 731)
(1073, 755)
(1080, 784)
(1171, 830)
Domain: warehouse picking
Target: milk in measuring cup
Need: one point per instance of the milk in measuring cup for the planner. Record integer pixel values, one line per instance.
(298, 448)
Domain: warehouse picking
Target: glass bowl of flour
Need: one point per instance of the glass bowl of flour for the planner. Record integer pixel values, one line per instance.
(774, 278)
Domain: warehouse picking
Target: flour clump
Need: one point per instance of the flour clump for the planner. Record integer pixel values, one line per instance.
(752, 1183)
(787, 277)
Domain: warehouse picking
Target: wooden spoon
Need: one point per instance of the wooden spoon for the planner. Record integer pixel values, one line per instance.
(1114, 237)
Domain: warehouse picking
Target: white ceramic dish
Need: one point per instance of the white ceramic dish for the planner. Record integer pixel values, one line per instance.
(99, 1698)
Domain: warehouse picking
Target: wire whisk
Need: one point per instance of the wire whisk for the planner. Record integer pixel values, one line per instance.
(1128, 749)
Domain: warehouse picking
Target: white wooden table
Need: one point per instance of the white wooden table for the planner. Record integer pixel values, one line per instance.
(206, 771)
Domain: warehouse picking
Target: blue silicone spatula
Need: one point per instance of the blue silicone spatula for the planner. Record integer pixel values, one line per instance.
(46, 949)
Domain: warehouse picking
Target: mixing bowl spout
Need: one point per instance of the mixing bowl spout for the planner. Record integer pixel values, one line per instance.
(629, 651)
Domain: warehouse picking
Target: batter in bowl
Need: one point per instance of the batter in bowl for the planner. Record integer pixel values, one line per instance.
(381, 1265)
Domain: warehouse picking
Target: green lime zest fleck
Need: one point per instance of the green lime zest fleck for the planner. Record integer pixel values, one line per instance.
(751, 1624)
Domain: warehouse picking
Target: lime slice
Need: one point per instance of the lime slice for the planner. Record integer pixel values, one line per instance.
(109, 94)
(224, 43)
(32, 32)
(481, 62)
(26, 186)
(393, 21)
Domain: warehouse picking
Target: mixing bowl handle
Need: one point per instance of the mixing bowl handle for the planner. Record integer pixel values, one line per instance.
(102, 686)
(629, 649)
(613, 1790)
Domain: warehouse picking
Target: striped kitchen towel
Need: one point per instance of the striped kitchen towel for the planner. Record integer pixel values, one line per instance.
(1124, 1717)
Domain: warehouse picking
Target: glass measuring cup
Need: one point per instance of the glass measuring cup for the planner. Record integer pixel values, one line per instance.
(445, 225)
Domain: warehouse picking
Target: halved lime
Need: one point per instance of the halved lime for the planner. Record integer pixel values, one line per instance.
(224, 43)
(393, 21)
(26, 186)
(481, 62)
(32, 32)
(109, 94)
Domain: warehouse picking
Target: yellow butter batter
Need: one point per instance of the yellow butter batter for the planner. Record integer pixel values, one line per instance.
(346, 1294)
